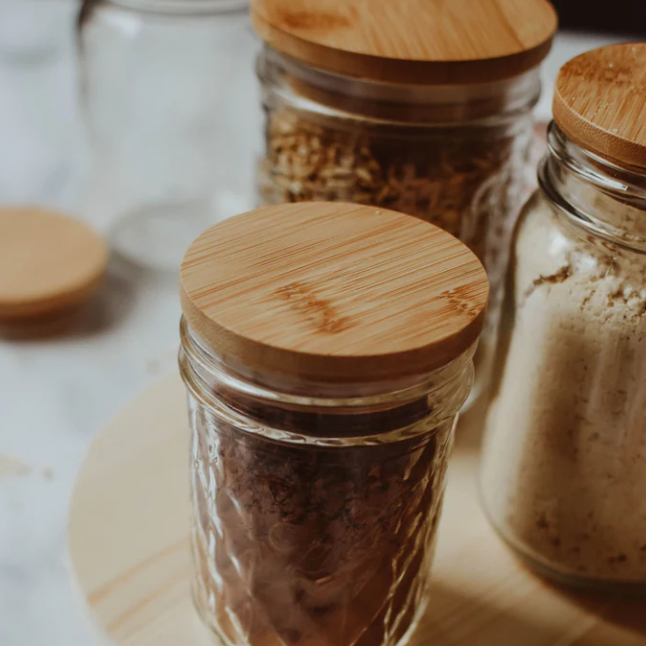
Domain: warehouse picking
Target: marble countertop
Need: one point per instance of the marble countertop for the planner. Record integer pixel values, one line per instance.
(57, 393)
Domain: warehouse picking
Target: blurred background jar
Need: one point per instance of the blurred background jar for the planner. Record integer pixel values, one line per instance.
(410, 106)
(563, 469)
(165, 90)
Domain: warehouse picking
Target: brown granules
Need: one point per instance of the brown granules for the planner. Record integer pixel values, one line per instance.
(563, 273)
(466, 179)
(314, 545)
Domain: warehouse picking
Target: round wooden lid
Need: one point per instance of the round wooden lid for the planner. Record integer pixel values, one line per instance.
(600, 102)
(48, 263)
(411, 41)
(333, 292)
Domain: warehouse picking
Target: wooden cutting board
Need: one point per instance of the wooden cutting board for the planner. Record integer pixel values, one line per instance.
(128, 541)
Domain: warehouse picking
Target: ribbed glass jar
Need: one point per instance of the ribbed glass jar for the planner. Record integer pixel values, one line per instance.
(315, 507)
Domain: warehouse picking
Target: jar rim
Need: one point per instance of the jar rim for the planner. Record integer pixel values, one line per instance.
(625, 185)
(393, 102)
(185, 7)
(237, 398)
(198, 359)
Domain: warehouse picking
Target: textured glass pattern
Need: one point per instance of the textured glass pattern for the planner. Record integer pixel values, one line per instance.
(298, 544)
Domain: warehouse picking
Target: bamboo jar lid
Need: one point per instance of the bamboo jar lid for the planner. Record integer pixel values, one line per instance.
(48, 263)
(333, 292)
(600, 102)
(411, 41)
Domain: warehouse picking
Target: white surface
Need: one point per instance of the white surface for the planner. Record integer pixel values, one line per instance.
(56, 394)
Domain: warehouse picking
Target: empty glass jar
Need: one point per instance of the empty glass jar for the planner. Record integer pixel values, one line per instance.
(168, 94)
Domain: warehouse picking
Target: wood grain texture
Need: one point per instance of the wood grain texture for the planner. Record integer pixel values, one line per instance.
(333, 292)
(128, 538)
(411, 41)
(48, 263)
(600, 102)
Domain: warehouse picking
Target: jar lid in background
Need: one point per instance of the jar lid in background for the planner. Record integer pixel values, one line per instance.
(600, 102)
(49, 263)
(411, 41)
(333, 292)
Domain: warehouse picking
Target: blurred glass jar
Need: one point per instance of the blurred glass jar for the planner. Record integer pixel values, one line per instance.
(31, 31)
(167, 88)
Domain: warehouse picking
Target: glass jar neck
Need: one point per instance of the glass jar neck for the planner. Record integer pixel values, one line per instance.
(216, 380)
(594, 193)
(316, 90)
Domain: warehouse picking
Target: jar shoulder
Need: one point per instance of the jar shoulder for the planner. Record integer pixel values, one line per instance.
(550, 250)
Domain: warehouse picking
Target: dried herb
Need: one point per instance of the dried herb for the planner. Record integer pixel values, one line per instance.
(305, 544)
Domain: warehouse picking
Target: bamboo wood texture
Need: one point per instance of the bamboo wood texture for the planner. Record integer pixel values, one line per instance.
(48, 263)
(128, 538)
(411, 41)
(333, 292)
(600, 102)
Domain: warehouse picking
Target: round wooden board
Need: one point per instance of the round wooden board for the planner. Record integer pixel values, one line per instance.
(128, 540)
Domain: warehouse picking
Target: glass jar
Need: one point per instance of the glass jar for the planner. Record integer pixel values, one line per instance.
(563, 469)
(167, 86)
(299, 533)
(30, 32)
(406, 106)
(316, 493)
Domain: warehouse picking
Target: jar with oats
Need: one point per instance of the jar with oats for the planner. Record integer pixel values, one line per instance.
(564, 464)
(405, 105)
(327, 350)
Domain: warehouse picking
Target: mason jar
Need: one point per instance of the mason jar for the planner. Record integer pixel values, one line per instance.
(322, 416)
(166, 87)
(443, 135)
(563, 469)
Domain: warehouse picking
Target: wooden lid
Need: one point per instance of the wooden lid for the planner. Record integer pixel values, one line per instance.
(411, 41)
(48, 263)
(333, 292)
(600, 102)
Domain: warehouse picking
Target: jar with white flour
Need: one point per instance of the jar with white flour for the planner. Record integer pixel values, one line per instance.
(564, 464)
